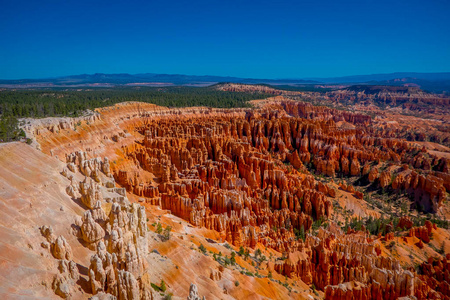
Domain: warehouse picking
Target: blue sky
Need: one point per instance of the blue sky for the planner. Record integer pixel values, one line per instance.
(259, 39)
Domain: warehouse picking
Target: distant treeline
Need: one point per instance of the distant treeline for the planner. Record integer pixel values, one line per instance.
(49, 103)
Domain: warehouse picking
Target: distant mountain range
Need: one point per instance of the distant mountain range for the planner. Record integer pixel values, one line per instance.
(385, 77)
(434, 82)
(146, 79)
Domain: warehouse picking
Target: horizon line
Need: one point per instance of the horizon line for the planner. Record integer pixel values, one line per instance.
(225, 76)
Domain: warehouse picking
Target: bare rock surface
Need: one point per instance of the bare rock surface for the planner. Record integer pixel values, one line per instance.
(31, 194)
(238, 201)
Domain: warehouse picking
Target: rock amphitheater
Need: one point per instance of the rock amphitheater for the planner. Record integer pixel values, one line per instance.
(137, 201)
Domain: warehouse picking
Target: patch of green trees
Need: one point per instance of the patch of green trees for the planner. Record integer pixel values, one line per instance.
(49, 103)
(59, 102)
(9, 130)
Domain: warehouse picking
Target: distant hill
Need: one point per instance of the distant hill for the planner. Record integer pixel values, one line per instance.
(435, 86)
(433, 82)
(149, 79)
(375, 89)
(442, 76)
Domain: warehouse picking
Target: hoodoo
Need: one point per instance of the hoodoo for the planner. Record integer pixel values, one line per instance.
(281, 200)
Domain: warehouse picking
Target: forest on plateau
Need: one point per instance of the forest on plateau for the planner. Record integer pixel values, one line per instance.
(49, 103)
(57, 103)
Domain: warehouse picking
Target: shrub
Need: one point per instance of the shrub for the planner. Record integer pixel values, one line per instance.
(155, 287)
(246, 254)
(258, 252)
(166, 234)
(233, 259)
(163, 286)
(300, 234)
(317, 223)
(159, 228)
(202, 248)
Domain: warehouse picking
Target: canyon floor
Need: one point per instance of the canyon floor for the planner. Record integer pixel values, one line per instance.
(281, 200)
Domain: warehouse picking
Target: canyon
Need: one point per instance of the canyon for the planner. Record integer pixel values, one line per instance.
(138, 201)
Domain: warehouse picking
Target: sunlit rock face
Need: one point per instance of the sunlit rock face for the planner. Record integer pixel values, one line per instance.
(253, 178)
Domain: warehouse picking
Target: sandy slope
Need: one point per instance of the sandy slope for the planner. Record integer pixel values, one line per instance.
(31, 195)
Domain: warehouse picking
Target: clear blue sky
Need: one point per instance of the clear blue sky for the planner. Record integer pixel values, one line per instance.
(260, 39)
